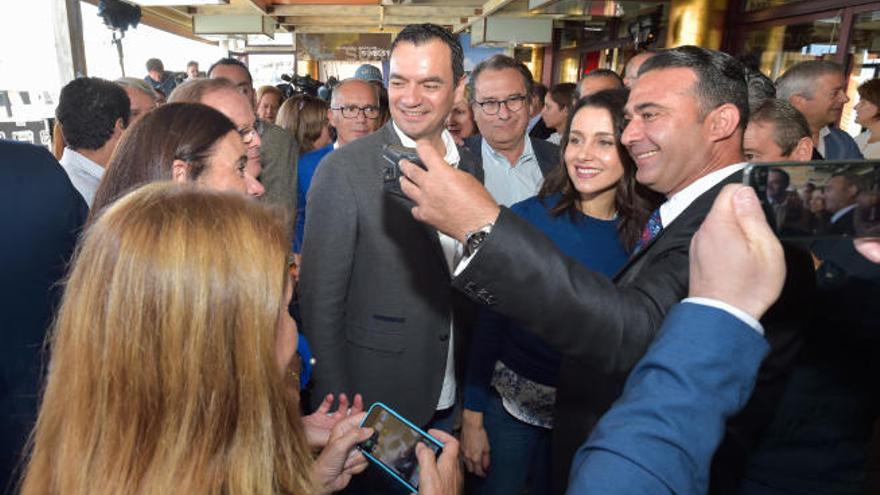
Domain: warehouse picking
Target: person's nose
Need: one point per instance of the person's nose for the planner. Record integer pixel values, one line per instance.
(631, 133)
(254, 187)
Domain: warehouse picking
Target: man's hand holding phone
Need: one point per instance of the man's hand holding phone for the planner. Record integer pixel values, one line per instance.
(439, 476)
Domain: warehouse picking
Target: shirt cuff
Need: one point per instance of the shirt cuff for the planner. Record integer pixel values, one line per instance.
(464, 262)
(733, 310)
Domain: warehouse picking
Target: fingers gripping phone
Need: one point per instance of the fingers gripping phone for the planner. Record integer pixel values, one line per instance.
(819, 199)
(392, 446)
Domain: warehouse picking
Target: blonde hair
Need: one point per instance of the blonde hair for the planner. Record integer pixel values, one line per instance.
(304, 117)
(264, 90)
(163, 376)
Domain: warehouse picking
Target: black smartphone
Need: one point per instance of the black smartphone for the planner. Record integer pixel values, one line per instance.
(393, 153)
(819, 199)
(392, 446)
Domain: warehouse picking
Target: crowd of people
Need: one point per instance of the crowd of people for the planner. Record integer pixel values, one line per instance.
(572, 291)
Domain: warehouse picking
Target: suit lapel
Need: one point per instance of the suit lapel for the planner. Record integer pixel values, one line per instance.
(697, 210)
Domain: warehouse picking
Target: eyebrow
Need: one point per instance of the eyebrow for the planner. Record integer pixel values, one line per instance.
(642, 107)
(436, 79)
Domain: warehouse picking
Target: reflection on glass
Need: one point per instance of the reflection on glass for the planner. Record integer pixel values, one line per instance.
(779, 47)
(752, 5)
(865, 51)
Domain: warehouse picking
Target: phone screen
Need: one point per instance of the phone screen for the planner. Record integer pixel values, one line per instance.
(393, 444)
(819, 199)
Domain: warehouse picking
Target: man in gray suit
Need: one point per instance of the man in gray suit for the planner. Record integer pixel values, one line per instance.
(279, 151)
(376, 297)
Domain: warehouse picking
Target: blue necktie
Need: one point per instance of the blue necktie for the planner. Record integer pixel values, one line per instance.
(652, 229)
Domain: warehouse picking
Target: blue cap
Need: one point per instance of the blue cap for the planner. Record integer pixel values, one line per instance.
(368, 72)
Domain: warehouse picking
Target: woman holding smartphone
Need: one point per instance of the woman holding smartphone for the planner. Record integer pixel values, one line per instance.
(594, 210)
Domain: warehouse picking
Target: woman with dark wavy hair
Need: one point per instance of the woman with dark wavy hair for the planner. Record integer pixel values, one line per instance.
(594, 210)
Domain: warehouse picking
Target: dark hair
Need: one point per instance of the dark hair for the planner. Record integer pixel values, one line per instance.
(231, 61)
(786, 179)
(633, 201)
(790, 126)
(154, 64)
(499, 62)
(604, 73)
(146, 153)
(870, 90)
(419, 34)
(192, 63)
(761, 88)
(539, 91)
(563, 94)
(88, 109)
(720, 77)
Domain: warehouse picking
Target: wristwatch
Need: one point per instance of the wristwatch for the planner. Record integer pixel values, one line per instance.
(474, 238)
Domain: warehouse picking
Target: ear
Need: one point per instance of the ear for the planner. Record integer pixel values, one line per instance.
(179, 170)
(803, 151)
(119, 126)
(723, 122)
(797, 101)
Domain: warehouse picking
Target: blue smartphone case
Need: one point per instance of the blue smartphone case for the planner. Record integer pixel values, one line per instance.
(405, 421)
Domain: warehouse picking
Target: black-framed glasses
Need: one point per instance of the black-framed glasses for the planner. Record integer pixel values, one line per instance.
(512, 104)
(352, 111)
(247, 133)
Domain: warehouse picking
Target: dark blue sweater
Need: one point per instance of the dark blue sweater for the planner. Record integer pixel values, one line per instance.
(595, 244)
(305, 169)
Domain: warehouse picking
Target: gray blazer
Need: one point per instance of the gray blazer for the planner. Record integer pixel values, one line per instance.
(376, 295)
(278, 156)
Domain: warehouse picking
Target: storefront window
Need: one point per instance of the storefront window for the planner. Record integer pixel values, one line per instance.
(780, 47)
(865, 51)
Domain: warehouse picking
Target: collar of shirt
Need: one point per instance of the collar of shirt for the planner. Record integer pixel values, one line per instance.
(452, 157)
(533, 122)
(841, 212)
(81, 162)
(821, 146)
(678, 202)
(528, 154)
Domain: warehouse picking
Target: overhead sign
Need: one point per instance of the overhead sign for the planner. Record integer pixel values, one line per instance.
(343, 46)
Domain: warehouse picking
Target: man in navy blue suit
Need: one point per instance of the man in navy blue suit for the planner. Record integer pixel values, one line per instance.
(40, 215)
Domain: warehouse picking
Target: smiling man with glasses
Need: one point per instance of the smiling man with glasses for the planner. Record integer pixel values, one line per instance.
(513, 163)
(354, 110)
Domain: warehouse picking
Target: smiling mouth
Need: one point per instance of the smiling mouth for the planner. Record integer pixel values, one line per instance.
(587, 172)
(646, 154)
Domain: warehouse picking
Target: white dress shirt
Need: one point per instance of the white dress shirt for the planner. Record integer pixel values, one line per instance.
(452, 251)
(85, 175)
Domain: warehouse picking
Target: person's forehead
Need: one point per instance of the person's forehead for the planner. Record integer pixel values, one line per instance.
(661, 84)
(502, 79)
(234, 73)
(432, 51)
(232, 104)
(137, 97)
(356, 91)
(831, 80)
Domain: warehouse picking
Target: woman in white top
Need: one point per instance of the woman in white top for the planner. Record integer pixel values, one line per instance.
(868, 116)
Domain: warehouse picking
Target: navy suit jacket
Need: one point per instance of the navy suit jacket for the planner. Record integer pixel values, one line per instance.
(660, 435)
(546, 152)
(40, 215)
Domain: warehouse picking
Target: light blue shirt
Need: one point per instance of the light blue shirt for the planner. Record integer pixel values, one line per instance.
(511, 184)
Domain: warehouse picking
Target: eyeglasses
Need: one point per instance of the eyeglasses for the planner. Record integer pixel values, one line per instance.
(352, 111)
(247, 133)
(512, 104)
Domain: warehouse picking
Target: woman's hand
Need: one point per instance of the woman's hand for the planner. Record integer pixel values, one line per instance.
(439, 476)
(340, 459)
(319, 423)
(474, 443)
